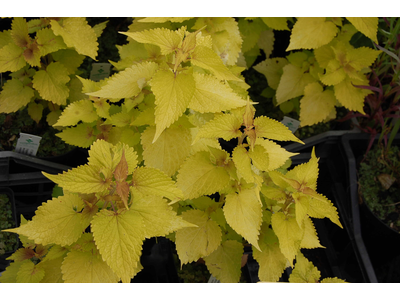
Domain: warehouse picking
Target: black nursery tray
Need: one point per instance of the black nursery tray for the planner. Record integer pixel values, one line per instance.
(22, 174)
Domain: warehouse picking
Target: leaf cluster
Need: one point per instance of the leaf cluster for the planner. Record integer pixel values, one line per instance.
(8, 241)
(324, 70)
(157, 168)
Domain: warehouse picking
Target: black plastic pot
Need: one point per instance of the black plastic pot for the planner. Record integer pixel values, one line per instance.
(3, 258)
(379, 245)
(158, 263)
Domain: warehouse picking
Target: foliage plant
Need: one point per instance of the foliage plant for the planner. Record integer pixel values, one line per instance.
(381, 117)
(323, 67)
(156, 168)
(42, 57)
(8, 241)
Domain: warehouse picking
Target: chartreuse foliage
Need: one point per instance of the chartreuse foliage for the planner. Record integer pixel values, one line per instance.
(323, 69)
(43, 56)
(156, 166)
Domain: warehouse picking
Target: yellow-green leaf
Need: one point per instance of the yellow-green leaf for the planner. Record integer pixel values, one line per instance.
(14, 96)
(169, 151)
(86, 267)
(332, 280)
(158, 217)
(270, 259)
(211, 95)
(83, 179)
(244, 214)
(206, 58)
(57, 221)
(225, 126)
(151, 181)
(82, 110)
(224, 263)
(307, 173)
(52, 270)
(311, 32)
(243, 163)
(119, 237)
(52, 83)
(277, 155)
(271, 129)
(316, 105)
(35, 111)
(70, 59)
(289, 234)
(304, 271)
(366, 25)
(166, 39)
(127, 83)
(199, 176)
(272, 68)
(30, 273)
(277, 23)
(82, 135)
(173, 93)
(350, 96)
(195, 242)
(310, 239)
(9, 275)
(292, 83)
(77, 34)
(48, 42)
(20, 32)
(11, 58)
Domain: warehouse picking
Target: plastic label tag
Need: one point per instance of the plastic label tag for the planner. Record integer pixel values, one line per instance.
(100, 71)
(212, 279)
(28, 144)
(290, 123)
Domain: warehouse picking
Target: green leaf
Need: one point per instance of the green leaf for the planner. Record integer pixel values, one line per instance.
(119, 237)
(166, 39)
(58, 221)
(77, 34)
(169, 151)
(312, 32)
(199, 176)
(14, 96)
(52, 83)
(224, 263)
(270, 259)
(20, 32)
(316, 105)
(82, 110)
(35, 111)
(173, 93)
(211, 95)
(86, 267)
(206, 58)
(82, 135)
(127, 83)
(151, 181)
(225, 126)
(196, 242)
(52, 270)
(244, 214)
(332, 280)
(304, 271)
(292, 83)
(366, 25)
(289, 234)
(11, 58)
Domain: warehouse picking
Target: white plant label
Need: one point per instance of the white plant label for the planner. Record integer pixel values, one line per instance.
(212, 279)
(290, 123)
(28, 144)
(100, 71)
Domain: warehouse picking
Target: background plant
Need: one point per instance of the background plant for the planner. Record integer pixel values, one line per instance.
(156, 167)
